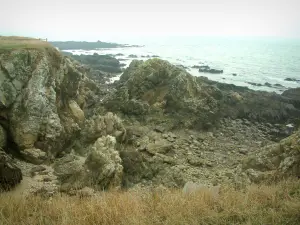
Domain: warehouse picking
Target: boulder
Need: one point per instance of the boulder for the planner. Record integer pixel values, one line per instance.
(193, 188)
(34, 155)
(292, 79)
(207, 69)
(132, 56)
(293, 95)
(10, 174)
(101, 168)
(98, 126)
(104, 164)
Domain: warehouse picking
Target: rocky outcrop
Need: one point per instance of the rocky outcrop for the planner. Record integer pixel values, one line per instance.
(281, 159)
(10, 174)
(207, 69)
(98, 126)
(292, 79)
(43, 98)
(156, 89)
(293, 95)
(52, 115)
(105, 63)
(100, 169)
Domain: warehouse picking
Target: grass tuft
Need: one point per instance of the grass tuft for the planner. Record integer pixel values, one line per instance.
(258, 204)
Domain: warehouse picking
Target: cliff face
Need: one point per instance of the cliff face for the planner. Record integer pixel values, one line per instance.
(43, 98)
(40, 98)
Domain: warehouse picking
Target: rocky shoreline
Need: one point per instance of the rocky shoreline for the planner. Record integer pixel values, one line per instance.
(64, 129)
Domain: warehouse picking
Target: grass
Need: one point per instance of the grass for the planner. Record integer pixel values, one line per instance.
(258, 204)
(13, 42)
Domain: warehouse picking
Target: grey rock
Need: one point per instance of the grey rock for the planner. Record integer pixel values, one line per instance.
(34, 155)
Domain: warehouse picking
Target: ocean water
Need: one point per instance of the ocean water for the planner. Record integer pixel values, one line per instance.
(257, 60)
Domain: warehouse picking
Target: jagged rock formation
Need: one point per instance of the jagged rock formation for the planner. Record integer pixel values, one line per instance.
(294, 96)
(105, 63)
(45, 106)
(101, 169)
(157, 91)
(43, 97)
(278, 159)
(52, 114)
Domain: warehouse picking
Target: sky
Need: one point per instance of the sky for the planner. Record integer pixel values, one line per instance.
(117, 20)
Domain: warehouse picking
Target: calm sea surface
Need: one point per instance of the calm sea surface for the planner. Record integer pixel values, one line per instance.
(252, 60)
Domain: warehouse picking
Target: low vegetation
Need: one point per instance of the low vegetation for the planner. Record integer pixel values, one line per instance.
(258, 204)
(9, 43)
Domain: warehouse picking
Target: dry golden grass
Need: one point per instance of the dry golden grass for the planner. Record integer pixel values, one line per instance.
(264, 204)
(14, 42)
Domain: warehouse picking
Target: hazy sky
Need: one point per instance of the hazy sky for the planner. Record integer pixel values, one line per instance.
(125, 19)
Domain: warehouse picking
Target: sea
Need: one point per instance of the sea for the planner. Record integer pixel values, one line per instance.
(249, 62)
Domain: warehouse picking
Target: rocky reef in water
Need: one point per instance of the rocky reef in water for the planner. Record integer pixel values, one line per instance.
(104, 63)
(69, 45)
(66, 131)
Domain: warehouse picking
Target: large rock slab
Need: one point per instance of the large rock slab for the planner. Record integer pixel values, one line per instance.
(43, 96)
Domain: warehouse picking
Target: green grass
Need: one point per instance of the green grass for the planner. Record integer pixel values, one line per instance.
(12, 43)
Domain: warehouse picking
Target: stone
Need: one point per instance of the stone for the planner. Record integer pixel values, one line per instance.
(34, 155)
(207, 69)
(292, 79)
(97, 126)
(37, 169)
(194, 161)
(243, 151)
(165, 136)
(47, 179)
(255, 176)
(68, 166)
(104, 164)
(159, 147)
(159, 129)
(85, 192)
(193, 188)
(76, 111)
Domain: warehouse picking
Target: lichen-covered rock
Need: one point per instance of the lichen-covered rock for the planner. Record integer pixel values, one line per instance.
(10, 174)
(155, 90)
(101, 168)
(43, 96)
(104, 164)
(282, 158)
(34, 155)
(99, 126)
